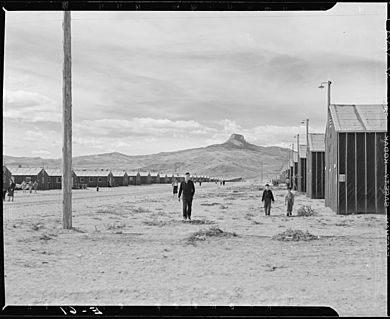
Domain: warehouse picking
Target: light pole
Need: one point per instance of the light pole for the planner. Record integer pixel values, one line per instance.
(298, 171)
(322, 86)
(307, 149)
(292, 181)
(327, 172)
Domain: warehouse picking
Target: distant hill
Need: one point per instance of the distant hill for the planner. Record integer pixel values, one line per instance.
(235, 157)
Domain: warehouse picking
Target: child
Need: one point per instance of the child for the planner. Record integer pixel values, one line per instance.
(289, 201)
(175, 185)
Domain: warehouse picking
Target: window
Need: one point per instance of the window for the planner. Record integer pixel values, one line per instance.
(28, 179)
(99, 179)
(90, 179)
(81, 180)
(58, 179)
(43, 180)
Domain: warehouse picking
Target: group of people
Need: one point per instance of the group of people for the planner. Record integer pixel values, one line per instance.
(30, 186)
(186, 193)
(268, 197)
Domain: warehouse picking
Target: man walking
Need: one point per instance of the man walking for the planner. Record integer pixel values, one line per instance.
(267, 198)
(188, 189)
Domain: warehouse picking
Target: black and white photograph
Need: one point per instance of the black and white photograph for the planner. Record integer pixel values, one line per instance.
(196, 158)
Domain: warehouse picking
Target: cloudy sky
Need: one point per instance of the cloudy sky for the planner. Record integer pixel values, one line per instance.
(147, 82)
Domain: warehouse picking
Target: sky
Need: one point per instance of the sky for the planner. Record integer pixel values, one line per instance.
(148, 82)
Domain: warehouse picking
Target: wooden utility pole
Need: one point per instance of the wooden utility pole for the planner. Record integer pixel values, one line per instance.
(67, 126)
(293, 167)
(299, 161)
(307, 155)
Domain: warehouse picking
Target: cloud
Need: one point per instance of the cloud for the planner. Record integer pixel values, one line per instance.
(140, 127)
(30, 107)
(151, 81)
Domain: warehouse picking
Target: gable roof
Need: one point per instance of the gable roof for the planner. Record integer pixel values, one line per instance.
(154, 174)
(21, 171)
(5, 170)
(53, 171)
(316, 142)
(91, 173)
(143, 173)
(359, 118)
(132, 173)
(117, 173)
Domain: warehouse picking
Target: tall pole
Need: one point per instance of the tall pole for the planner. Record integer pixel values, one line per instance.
(67, 126)
(288, 165)
(298, 171)
(307, 155)
(293, 168)
(307, 135)
(329, 83)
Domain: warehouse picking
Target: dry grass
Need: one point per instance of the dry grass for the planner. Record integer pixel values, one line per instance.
(155, 223)
(295, 235)
(305, 211)
(47, 237)
(140, 210)
(211, 232)
(210, 204)
(36, 226)
(256, 222)
(115, 226)
(201, 222)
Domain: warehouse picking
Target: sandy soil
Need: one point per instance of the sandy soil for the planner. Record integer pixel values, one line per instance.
(129, 247)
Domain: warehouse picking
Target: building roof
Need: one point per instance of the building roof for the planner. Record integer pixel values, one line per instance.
(117, 173)
(302, 151)
(144, 173)
(132, 173)
(154, 174)
(316, 142)
(5, 169)
(359, 118)
(21, 171)
(53, 171)
(91, 173)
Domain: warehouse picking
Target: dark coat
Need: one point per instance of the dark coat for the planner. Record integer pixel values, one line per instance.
(188, 189)
(267, 196)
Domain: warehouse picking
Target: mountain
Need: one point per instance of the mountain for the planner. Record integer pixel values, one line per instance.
(235, 157)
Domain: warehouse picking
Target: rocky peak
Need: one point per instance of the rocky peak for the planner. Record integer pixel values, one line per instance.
(237, 140)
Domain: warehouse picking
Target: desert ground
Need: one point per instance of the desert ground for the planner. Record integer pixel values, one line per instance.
(129, 246)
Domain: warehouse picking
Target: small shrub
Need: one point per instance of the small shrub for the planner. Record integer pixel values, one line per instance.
(200, 222)
(209, 204)
(295, 235)
(211, 232)
(115, 226)
(305, 211)
(155, 223)
(36, 226)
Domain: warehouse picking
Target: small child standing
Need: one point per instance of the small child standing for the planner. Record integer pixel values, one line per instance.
(289, 201)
